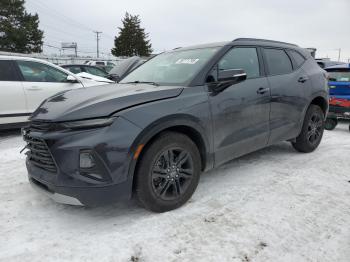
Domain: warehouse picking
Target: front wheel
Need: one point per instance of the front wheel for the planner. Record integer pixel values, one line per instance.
(168, 172)
(312, 130)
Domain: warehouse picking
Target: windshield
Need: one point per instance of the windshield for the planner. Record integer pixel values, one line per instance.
(172, 68)
(340, 75)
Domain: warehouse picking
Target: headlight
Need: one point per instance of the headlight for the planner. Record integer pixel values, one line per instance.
(90, 123)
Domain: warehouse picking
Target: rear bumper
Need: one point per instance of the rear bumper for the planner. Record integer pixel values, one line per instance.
(338, 109)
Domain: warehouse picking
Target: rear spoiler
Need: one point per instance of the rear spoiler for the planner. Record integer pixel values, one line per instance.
(312, 51)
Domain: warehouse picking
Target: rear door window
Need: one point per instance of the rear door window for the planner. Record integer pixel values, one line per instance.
(278, 62)
(8, 71)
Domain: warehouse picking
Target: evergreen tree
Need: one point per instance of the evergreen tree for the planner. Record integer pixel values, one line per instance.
(132, 39)
(19, 30)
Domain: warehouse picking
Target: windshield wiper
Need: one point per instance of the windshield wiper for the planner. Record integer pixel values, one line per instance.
(142, 82)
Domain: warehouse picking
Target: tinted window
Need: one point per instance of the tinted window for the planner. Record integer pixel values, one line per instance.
(241, 58)
(298, 58)
(37, 72)
(339, 75)
(7, 71)
(278, 61)
(74, 69)
(95, 71)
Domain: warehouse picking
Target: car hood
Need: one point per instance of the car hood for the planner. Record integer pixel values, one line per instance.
(100, 101)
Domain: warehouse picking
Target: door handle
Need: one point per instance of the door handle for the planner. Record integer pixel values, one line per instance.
(34, 88)
(262, 90)
(303, 79)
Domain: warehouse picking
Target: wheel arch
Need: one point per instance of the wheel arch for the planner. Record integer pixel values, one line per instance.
(182, 124)
(321, 102)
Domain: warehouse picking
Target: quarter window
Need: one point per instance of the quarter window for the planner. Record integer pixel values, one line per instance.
(37, 72)
(298, 58)
(278, 62)
(7, 71)
(245, 58)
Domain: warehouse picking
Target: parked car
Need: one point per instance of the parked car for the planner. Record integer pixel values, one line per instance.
(326, 62)
(106, 65)
(119, 71)
(94, 70)
(339, 91)
(25, 82)
(182, 112)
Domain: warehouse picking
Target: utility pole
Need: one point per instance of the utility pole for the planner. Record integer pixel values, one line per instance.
(97, 40)
(339, 51)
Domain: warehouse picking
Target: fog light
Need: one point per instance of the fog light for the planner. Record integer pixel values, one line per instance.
(86, 160)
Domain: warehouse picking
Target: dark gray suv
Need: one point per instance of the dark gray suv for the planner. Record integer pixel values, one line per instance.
(183, 112)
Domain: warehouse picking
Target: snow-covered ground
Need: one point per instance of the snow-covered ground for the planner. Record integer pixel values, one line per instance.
(272, 205)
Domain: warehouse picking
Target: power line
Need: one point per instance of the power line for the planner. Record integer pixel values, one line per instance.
(59, 15)
(55, 16)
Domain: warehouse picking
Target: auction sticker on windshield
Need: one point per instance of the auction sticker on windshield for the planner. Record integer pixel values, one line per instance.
(187, 61)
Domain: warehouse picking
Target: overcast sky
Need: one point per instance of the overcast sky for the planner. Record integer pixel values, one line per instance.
(323, 24)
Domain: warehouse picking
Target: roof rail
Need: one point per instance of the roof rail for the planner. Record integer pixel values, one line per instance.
(263, 40)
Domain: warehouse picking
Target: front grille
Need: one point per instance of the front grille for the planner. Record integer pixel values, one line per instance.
(39, 154)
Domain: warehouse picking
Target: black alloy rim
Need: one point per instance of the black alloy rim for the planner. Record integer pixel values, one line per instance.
(172, 173)
(314, 130)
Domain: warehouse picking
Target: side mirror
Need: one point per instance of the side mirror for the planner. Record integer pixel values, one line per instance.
(228, 78)
(72, 79)
(114, 77)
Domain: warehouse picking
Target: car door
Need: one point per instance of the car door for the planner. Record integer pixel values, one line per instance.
(240, 113)
(13, 107)
(288, 100)
(42, 81)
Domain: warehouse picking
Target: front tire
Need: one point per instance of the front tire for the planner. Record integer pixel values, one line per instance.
(312, 131)
(168, 172)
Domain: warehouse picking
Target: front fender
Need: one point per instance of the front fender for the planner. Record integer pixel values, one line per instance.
(171, 122)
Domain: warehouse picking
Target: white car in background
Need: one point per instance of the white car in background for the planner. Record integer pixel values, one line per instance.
(25, 82)
(100, 63)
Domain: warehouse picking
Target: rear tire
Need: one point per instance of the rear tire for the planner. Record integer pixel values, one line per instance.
(331, 123)
(312, 131)
(168, 172)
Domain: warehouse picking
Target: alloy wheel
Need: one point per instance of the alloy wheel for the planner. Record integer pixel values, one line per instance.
(172, 173)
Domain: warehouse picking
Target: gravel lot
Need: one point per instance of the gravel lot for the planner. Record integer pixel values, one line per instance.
(272, 205)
